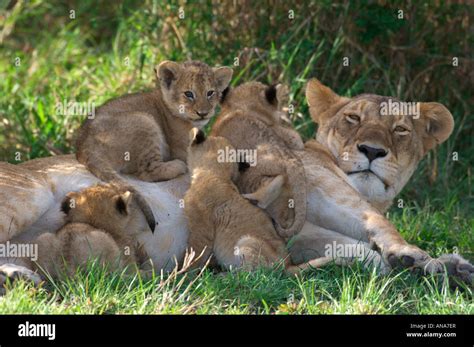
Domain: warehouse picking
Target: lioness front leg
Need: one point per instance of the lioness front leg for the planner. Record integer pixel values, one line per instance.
(351, 215)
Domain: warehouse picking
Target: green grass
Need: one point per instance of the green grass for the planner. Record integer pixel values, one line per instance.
(85, 59)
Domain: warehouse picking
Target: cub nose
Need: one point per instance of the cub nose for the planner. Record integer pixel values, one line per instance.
(372, 153)
(202, 114)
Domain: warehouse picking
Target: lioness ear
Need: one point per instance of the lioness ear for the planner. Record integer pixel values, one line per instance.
(167, 72)
(122, 202)
(435, 124)
(197, 136)
(223, 76)
(320, 99)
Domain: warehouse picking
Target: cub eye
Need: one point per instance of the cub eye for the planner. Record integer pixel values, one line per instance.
(189, 94)
(210, 94)
(401, 130)
(353, 118)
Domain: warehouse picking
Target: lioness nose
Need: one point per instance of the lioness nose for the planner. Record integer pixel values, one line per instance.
(372, 153)
(202, 114)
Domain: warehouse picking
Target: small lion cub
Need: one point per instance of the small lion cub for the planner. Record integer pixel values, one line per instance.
(251, 120)
(102, 223)
(222, 223)
(146, 134)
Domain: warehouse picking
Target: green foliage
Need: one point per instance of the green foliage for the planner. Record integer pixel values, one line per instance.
(84, 59)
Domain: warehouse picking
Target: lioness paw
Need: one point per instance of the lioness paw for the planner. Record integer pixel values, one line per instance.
(409, 256)
(13, 272)
(458, 269)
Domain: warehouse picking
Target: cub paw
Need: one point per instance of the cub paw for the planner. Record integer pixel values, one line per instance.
(13, 272)
(176, 168)
(458, 269)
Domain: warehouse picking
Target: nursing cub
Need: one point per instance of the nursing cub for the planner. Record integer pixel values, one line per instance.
(146, 134)
(102, 222)
(251, 121)
(223, 225)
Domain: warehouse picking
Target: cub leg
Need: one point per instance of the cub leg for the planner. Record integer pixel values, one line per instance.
(153, 170)
(250, 252)
(200, 242)
(267, 193)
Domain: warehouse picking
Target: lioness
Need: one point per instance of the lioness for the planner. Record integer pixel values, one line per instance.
(338, 210)
(359, 163)
(145, 134)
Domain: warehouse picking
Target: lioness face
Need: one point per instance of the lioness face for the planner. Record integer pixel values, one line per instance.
(105, 207)
(192, 90)
(378, 149)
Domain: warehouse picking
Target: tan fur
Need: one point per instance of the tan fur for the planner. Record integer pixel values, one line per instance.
(250, 121)
(103, 223)
(339, 198)
(221, 222)
(341, 208)
(342, 136)
(145, 134)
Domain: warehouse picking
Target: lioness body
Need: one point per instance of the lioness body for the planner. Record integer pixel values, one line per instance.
(36, 189)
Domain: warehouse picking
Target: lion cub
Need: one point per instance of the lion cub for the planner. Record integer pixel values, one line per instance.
(102, 223)
(146, 134)
(251, 119)
(222, 223)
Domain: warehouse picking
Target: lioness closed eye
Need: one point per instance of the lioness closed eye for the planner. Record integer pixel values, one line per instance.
(145, 134)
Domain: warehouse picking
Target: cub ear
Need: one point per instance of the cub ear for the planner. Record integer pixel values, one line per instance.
(435, 124)
(223, 75)
(224, 94)
(282, 95)
(271, 95)
(320, 99)
(67, 203)
(243, 165)
(196, 136)
(122, 202)
(167, 72)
